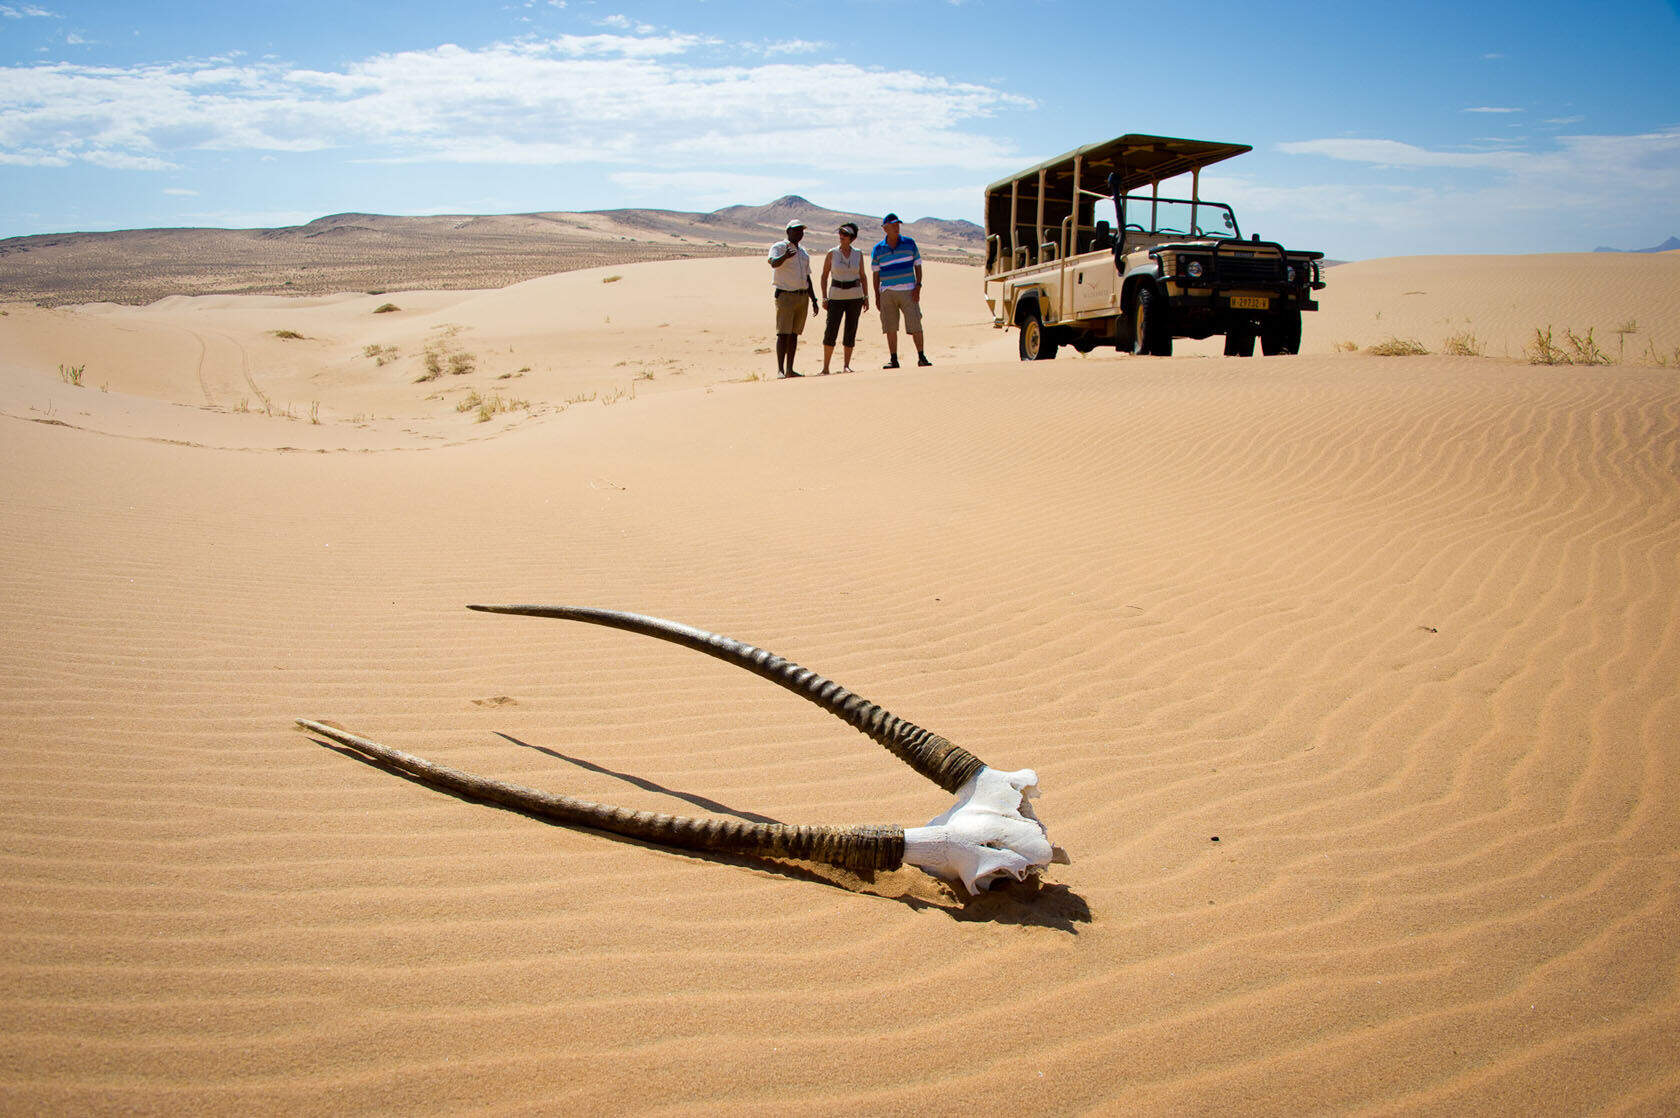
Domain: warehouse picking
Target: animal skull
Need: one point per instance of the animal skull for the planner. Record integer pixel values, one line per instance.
(988, 833)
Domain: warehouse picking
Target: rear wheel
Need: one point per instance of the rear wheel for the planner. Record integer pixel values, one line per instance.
(1239, 341)
(1035, 340)
(1151, 332)
(1282, 334)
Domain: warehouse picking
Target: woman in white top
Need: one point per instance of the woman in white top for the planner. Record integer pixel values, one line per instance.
(845, 294)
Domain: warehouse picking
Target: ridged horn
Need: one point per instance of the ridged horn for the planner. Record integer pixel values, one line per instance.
(853, 848)
(946, 764)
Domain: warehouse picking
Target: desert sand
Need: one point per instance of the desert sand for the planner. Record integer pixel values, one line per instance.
(1351, 682)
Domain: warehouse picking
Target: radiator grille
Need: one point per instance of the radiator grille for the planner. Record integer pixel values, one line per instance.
(1267, 269)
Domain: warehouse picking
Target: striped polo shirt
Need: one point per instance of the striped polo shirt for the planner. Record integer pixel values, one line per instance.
(896, 266)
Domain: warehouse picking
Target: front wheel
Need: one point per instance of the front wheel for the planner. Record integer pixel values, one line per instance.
(1282, 334)
(1151, 332)
(1035, 340)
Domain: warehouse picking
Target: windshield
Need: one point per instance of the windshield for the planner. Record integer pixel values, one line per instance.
(1173, 216)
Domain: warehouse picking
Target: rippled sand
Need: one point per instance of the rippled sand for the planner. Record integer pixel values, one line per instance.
(1351, 682)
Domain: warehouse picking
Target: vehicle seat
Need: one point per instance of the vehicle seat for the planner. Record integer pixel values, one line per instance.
(1101, 237)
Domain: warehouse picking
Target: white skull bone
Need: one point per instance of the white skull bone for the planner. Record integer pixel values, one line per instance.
(989, 832)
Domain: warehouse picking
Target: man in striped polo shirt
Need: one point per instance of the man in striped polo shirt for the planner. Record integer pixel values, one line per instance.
(898, 289)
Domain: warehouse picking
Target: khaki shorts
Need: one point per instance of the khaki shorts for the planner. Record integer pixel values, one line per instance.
(790, 311)
(895, 303)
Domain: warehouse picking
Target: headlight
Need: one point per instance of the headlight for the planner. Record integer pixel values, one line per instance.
(1194, 269)
(1294, 273)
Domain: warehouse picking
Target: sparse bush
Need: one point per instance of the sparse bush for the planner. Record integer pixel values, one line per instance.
(1463, 345)
(432, 362)
(385, 308)
(1543, 351)
(1583, 350)
(1340, 347)
(71, 374)
(287, 335)
(470, 401)
(461, 363)
(1398, 347)
(381, 354)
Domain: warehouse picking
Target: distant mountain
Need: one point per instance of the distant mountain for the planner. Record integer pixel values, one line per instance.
(1667, 246)
(387, 252)
(767, 222)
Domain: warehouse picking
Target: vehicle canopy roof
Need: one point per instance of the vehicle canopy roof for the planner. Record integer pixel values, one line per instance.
(1134, 159)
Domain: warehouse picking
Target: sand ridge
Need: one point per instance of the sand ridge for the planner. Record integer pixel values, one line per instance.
(1400, 633)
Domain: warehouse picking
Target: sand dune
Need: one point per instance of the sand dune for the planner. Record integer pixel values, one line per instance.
(1350, 680)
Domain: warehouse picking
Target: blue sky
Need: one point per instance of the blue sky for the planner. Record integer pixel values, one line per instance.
(1379, 129)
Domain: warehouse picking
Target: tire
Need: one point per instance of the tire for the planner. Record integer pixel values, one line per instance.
(1151, 332)
(1035, 341)
(1239, 341)
(1282, 334)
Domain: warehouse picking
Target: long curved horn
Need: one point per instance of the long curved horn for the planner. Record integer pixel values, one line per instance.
(946, 764)
(855, 848)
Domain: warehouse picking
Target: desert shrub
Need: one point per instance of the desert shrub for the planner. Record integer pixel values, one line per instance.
(1583, 350)
(71, 374)
(470, 401)
(1543, 351)
(1463, 345)
(461, 363)
(386, 308)
(287, 335)
(432, 363)
(1397, 347)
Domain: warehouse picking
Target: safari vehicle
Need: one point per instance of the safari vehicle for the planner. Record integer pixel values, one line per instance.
(1076, 256)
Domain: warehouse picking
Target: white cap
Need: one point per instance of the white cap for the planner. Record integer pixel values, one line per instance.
(795, 224)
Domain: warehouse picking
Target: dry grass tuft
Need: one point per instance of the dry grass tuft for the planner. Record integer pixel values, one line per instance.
(386, 308)
(72, 374)
(1398, 347)
(287, 335)
(1463, 345)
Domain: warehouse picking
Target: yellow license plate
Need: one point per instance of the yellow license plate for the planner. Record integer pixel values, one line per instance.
(1250, 302)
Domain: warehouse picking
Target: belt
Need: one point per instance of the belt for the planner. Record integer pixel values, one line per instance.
(780, 293)
(846, 283)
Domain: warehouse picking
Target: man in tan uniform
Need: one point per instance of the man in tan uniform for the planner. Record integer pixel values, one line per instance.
(790, 268)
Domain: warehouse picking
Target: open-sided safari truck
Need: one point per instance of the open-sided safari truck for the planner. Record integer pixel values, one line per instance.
(1077, 255)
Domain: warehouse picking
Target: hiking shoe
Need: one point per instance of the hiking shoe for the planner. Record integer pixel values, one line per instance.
(921, 359)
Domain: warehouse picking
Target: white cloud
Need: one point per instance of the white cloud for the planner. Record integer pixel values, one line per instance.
(793, 46)
(1393, 153)
(647, 100)
(26, 11)
(1495, 199)
(180, 192)
(1490, 109)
